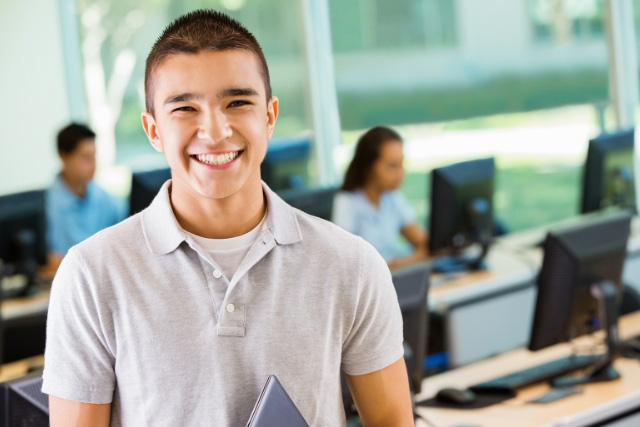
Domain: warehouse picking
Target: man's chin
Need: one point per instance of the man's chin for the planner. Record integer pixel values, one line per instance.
(221, 191)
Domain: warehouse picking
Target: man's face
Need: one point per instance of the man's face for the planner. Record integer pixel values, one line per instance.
(211, 121)
(80, 164)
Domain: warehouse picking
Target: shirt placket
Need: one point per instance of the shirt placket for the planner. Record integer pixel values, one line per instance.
(232, 319)
(215, 280)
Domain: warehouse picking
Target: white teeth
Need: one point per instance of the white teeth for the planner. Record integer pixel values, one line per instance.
(220, 159)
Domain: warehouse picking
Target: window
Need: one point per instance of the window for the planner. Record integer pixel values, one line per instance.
(490, 88)
(362, 25)
(562, 21)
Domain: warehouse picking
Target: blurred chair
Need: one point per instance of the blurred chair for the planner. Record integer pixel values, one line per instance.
(412, 287)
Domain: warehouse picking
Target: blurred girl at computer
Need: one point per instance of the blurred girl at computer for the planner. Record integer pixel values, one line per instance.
(370, 204)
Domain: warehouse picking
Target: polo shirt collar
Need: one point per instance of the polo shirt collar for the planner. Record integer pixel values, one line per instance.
(164, 234)
(281, 219)
(160, 226)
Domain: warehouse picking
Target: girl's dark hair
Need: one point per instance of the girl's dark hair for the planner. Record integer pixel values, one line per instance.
(367, 152)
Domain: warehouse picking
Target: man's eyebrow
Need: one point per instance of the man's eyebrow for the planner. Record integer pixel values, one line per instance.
(229, 93)
(182, 97)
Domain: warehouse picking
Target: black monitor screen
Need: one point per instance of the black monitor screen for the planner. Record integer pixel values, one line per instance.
(461, 204)
(574, 259)
(314, 201)
(23, 244)
(286, 164)
(145, 186)
(608, 173)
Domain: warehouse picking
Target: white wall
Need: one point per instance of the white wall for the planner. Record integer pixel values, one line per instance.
(33, 93)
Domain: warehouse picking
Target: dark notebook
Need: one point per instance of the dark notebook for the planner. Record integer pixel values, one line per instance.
(275, 408)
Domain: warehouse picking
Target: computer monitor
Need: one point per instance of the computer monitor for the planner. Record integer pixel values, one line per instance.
(461, 212)
(23, 244)
(412, 287)
(23, 404)
(144, 187)
(608, 173)
(286, 164)
(579, 286)
(314, 201)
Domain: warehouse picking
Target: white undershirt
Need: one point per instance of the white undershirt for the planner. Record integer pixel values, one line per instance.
(229, 253)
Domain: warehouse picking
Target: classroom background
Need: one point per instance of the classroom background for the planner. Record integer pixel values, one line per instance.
(526, 81)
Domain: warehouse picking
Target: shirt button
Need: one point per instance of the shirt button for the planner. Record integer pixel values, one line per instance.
(217, 274)
(231, 308)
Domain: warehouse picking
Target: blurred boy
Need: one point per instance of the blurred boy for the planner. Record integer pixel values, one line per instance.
(76, 207)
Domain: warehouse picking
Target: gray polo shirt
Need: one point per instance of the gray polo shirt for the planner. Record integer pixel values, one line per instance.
(141, 317)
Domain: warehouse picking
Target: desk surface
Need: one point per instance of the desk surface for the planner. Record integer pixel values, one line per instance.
(507, 268)
(20, 307)
(513, 260)
(17, 369)
(594, 398)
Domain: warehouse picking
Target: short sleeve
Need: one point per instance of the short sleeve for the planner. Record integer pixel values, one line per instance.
(375, 340)
(79, 365)
(344, 214)
(407, 215)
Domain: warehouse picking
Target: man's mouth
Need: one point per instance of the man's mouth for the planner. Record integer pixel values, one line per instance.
(217, 159)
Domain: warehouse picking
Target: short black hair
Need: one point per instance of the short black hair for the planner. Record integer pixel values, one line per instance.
(366, 154)
(71, 136)
(197, 31)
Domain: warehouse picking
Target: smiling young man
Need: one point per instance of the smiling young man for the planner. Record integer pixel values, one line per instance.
(179, 314)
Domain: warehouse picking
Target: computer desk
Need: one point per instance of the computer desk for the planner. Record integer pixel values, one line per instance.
(15, 308)
(22, 326)
(506, 269)
(513, 261)
(468, 302)
(596, 402)
(17, 369)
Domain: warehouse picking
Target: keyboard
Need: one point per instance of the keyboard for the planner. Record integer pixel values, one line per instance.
(511, 382)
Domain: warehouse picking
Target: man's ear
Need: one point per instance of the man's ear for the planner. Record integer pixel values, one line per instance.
(151, 129)
(64, 159)
(272, 115)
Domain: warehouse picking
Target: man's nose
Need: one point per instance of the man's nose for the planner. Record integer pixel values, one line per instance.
(215, 127)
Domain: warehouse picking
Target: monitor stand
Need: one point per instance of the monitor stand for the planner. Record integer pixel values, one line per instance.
(481, 222)
(607, 294)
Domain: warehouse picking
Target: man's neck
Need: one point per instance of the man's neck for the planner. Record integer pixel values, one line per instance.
(225, 218)
(79, 188)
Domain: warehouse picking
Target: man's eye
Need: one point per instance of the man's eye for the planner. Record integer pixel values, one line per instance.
(185, 109)
(239, 103)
